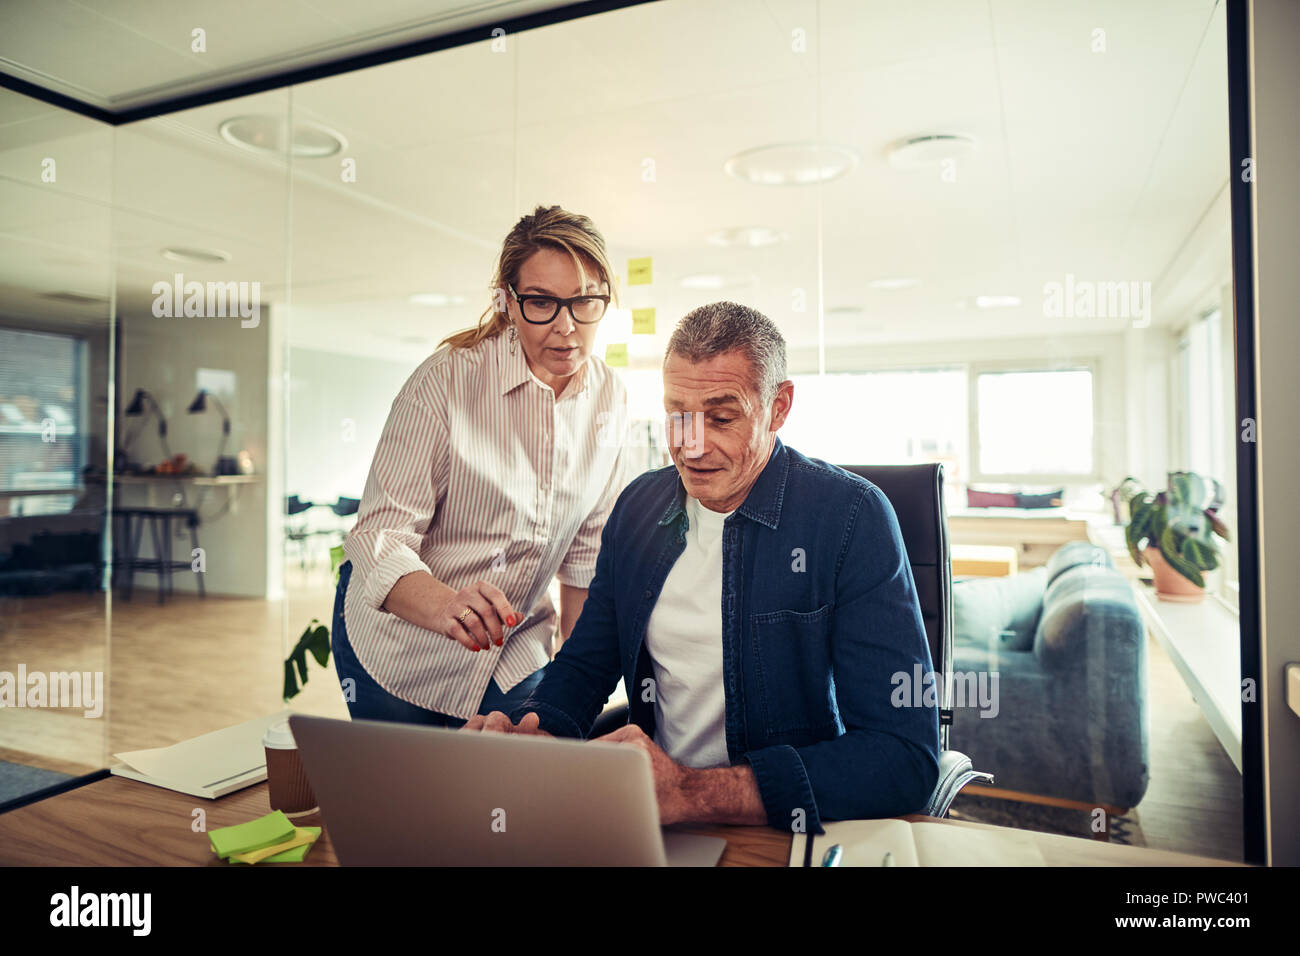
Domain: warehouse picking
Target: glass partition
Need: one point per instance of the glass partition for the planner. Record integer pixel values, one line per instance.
(56, 430)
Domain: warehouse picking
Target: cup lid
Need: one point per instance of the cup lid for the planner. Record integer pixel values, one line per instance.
(278, 736)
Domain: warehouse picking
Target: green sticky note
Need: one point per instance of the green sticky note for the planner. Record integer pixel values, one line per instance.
(616, 354)
(254, 835)
(638, 271)
(643, 321)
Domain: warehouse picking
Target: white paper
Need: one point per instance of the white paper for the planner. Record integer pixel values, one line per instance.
(209, 762)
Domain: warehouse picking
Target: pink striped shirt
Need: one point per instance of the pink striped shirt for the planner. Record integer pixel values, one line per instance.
(481, 473)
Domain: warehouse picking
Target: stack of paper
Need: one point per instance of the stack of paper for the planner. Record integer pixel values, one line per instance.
(211, 766)
(268, 839)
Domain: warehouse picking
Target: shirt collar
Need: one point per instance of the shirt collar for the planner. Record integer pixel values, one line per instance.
(762, 504)
(513, 371)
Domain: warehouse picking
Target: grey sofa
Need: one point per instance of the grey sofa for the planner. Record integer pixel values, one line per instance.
(1068, 722)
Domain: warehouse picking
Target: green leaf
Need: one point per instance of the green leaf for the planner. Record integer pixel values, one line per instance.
(299, 658)
(1171, 550)
(290, 682)
(319, 645)
(1200, 554)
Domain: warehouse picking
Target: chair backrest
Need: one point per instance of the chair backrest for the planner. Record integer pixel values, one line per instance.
(916, 493)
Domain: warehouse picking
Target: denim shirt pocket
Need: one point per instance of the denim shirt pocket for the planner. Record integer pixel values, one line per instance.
(792, 653)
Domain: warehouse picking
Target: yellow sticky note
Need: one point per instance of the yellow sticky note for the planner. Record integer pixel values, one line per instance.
(301, 836)
(638, 271)
(616, 354)
(643, 321)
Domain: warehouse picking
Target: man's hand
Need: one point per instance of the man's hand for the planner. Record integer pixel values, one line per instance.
(497, 722)
(670, 776)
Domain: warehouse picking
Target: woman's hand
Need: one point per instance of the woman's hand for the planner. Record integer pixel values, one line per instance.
(490, 614)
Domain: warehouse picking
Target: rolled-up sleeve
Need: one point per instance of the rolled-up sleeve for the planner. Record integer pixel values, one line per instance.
(406, 482)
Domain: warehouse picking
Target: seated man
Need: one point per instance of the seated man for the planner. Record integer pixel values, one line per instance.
(757, 604)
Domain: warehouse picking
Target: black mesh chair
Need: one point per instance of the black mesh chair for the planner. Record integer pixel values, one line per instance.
(916, 494)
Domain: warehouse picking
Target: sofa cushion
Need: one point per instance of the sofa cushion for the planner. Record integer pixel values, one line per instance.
(1001, 610)
(1086, 605)
(1074, 554)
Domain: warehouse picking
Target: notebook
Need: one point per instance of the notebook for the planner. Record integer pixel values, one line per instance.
(865, 843)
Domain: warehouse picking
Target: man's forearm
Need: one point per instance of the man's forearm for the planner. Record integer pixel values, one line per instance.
(723, 795)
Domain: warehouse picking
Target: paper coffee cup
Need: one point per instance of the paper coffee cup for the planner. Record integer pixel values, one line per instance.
(287, 780)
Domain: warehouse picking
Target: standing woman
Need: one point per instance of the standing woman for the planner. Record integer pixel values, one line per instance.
(489, 480)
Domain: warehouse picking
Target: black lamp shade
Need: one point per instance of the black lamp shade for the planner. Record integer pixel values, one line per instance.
(137, 403)
(200, 402)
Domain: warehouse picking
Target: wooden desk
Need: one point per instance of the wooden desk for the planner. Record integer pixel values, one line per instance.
(120, 822)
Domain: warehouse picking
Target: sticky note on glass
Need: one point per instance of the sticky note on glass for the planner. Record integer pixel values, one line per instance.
(616, 354)
(643, 321)
(638, 271)
(265, 831)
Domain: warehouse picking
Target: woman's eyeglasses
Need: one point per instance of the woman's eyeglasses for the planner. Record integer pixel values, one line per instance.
(542, 309)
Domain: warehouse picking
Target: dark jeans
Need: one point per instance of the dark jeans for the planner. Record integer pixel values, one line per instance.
(369, 701)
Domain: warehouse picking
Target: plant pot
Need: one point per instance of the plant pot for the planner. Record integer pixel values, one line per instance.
(1170, 585)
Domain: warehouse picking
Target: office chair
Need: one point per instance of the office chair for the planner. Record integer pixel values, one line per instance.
(916, 494)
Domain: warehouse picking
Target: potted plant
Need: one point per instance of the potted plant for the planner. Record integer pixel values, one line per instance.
(1173, 531)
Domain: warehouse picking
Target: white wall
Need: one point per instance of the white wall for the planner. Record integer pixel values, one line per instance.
(163, 356)
(338, 404)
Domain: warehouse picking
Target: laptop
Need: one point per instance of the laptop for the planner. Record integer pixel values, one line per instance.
(408, 795)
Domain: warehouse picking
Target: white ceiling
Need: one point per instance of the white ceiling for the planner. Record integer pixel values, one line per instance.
(1097, 164)
(131, 54)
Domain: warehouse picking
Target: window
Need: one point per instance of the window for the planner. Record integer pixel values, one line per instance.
(1203, 400)
(1035, 424)
(882, 418)
(41, 398)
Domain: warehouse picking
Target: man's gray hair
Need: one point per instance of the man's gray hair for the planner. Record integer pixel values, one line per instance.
(727, 326)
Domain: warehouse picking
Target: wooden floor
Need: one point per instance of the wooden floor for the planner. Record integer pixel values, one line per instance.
(192, 666)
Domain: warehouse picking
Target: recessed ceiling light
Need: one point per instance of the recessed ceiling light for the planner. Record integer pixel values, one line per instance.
(703, 280)
(917, 152)
(791, 164)
(893, 283)
(996, 301)
(435, 299)
(263, 133)
(194, 254)
(750, 236)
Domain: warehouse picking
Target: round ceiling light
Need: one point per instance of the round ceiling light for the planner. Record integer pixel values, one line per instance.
(263, 133)
(792, 164)
(918, 152)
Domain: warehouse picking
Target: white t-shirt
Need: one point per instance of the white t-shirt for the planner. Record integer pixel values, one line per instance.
(684, 638)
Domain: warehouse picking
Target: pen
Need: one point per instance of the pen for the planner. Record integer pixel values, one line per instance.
(833, 856)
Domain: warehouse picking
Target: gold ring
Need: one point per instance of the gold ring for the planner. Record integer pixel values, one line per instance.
(464, 614)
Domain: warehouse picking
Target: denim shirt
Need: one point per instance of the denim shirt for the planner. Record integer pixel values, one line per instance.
(819, 617)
